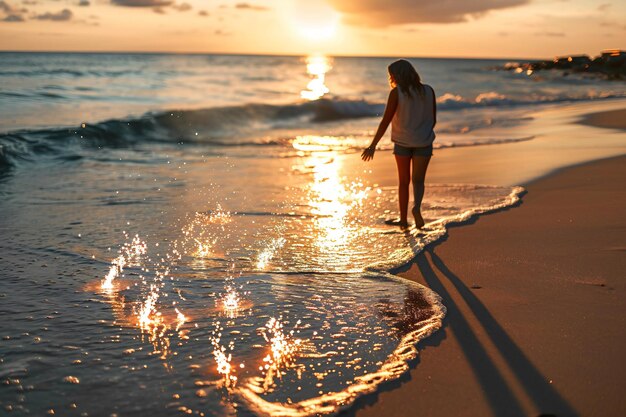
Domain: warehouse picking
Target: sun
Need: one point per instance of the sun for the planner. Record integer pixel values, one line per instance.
(314, 20)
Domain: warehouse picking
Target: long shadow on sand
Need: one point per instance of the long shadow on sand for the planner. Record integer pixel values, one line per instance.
(499, 394)
(543, 395)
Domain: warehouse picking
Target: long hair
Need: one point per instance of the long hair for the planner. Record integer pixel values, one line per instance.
(403, 75)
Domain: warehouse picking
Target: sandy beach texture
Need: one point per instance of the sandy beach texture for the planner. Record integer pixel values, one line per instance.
(615, 119)
(535, 298)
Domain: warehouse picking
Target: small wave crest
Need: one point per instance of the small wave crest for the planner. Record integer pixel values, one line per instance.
(237, 126)
(401, 248)
(451, 101)
(71, 72)
(216, 127)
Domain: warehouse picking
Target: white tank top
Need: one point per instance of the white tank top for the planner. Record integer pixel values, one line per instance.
(412, 124)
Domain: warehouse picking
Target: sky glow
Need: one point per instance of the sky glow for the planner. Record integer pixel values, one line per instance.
(481, 28)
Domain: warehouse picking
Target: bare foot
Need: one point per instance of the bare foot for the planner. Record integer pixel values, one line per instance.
(419, 220)
(397, 222)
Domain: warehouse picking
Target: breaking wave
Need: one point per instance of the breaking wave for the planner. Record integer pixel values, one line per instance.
(244, 125)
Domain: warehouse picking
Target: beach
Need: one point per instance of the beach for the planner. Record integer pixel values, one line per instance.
(175, 243)
(534, 293)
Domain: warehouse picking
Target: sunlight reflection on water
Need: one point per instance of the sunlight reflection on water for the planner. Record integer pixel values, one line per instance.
(252, 296)
(316, 67)
(296, 320)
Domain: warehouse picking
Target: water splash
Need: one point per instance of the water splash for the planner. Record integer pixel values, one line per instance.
(231, 300)
(338, 349)
(268, 253)
(152, 323)
(283, 348)
(129, 253)
(222, 358)
(181, 319)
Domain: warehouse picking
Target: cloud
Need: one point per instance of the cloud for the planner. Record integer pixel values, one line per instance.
(11, 13)
(380, 13)
(13, 18)
(550, 34)
(142, 3)
(61, 16)
(183, 7)
(604, 7)
(157, 6)
(8, 9)
(5, 7)
(248, 6)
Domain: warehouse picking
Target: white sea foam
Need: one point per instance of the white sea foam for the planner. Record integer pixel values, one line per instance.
(321, 277)
(393, 367)
(462, 202)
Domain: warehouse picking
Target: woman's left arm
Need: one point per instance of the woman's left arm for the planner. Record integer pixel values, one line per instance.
(390, 110)
(434, 108)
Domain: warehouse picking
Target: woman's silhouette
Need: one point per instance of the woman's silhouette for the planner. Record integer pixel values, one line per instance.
(411, 109)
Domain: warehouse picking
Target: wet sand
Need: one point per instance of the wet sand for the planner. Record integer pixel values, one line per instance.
(609, 119)
(535, 298)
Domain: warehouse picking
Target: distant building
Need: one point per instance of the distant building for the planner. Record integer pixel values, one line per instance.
(610, 64)
(613, 53)
(613, 56)
(578, 59)
(572, 60)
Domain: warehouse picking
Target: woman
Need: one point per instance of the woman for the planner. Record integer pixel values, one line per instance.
(411, 110)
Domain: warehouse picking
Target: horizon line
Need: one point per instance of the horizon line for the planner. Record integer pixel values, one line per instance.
(260, 54)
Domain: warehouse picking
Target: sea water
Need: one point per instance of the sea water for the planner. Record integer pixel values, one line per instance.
(183, 233)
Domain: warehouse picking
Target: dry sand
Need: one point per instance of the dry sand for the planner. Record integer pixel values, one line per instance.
(536, 320)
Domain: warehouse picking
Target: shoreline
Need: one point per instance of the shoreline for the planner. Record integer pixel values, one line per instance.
(189, 192)
(611, 119)
(526, 321)
(560, 140)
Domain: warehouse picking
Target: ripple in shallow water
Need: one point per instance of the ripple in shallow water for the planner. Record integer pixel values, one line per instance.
(264, 309)
(314, 331)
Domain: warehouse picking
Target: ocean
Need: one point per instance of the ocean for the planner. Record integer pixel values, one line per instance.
(188, 233)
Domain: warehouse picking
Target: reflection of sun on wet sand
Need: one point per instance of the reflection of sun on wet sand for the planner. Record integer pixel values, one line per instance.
(282, 341)
(327, 348)
(519, 291)
(258, 393)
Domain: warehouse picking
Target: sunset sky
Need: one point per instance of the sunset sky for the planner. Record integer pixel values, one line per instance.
(452, 28)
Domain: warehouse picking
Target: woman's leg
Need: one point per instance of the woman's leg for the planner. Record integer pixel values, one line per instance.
(420, 164)
(404, 179)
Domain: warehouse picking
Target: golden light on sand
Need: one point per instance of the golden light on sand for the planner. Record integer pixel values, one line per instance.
(314, 20)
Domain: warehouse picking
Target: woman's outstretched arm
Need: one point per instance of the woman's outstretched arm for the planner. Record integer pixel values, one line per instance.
(434, 107)
(390, 110)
